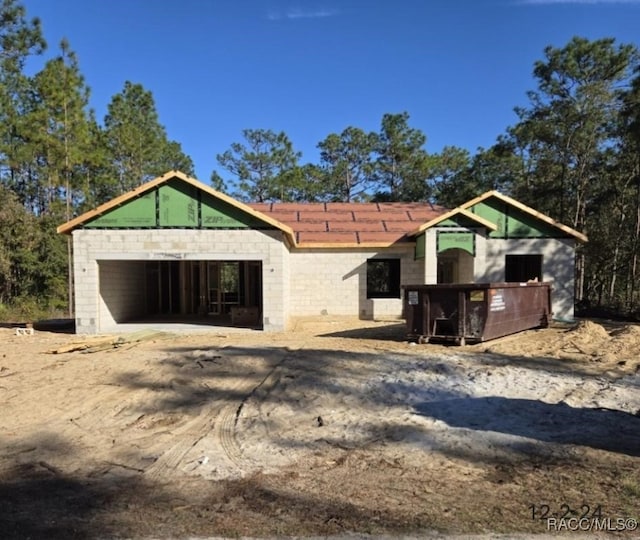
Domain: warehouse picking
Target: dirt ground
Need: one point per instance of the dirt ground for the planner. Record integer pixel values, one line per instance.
(335, 427)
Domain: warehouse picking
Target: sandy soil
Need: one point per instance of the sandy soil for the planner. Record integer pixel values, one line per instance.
(335, 427)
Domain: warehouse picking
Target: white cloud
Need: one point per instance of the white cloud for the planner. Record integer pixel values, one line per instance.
(297, 13)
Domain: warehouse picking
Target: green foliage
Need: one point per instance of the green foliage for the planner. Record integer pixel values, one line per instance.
(569, 122)
(61, 135)
(461, 178)
(450, 175)
(347, 160)
(137, 143)
(308, 182)
(402, 167)
(19, 38)
(32, 257)
(354, 165)
(263, 167)
(28, 309)
(573, 154)
(56, 161)
(575, 159)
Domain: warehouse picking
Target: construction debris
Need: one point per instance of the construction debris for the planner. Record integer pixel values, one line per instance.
(93, 345)
(24, 330)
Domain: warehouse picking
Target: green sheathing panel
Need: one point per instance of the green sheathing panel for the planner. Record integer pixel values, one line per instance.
(513, 222)
(460, 240)
(136, 213)
(523, 225)
(494, 211)
(420, 247)
(459, 220)
(178, 205)
(217, 214)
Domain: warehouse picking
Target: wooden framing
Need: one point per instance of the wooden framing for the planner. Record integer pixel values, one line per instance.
(353, 245)
(526, 209)
(451, 213)
(289, 234)
(69, 226)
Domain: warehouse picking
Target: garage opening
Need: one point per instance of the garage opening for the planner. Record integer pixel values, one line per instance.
(220, 293)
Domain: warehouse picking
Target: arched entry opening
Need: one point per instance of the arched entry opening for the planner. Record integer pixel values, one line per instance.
(456, 253)
(455, 266)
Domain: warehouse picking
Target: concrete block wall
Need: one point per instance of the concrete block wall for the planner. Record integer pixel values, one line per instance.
(275, 285)
(285, 298)
(430, 257)
(122, 295)
(558, 264)
(86, 289)
(334, 281)
(558, 267)
(94, 247)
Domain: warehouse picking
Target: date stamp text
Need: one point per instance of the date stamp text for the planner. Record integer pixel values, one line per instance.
(582, 518)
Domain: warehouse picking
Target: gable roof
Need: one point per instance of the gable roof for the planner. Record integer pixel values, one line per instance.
(69, 226)
(350, 224)
(452, 213)
(338, 225)
(333, 225)
(527, 210)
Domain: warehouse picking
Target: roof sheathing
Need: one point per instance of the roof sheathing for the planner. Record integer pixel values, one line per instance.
(335, 225)
(326, 225)
(450, 214)
(69, 226)
(349, 225)
(527, 210)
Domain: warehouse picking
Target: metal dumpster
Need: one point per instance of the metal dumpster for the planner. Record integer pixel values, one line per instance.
(475, 312)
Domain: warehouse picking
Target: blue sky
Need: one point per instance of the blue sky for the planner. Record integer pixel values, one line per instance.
(311, 68)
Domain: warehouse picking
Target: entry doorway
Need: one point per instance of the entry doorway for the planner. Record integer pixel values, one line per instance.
(455, 266)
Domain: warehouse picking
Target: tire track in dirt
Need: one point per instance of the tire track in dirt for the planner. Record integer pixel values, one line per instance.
(217, 420)
(225, 428)
(189, 436)
(225, 436)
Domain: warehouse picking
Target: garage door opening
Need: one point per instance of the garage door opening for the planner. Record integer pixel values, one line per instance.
(218, 293)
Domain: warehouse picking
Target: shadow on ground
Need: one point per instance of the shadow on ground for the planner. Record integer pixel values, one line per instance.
(41, 501)
(58, 326)
(559, 423)
(390, 332)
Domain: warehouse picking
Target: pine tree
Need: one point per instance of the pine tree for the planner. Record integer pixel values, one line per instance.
(262, 166)
(402, 166)
(64, 138)
(137, 143)
(347, 160)
(19, 38)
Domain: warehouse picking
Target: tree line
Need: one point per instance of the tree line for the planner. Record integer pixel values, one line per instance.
(57, 160)
(573, 154)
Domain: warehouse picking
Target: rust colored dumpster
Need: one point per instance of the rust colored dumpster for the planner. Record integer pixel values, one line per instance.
(475, 312)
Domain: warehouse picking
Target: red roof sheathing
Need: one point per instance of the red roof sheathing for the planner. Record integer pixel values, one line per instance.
(327, 238)
(350, 223)
(356, 226)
